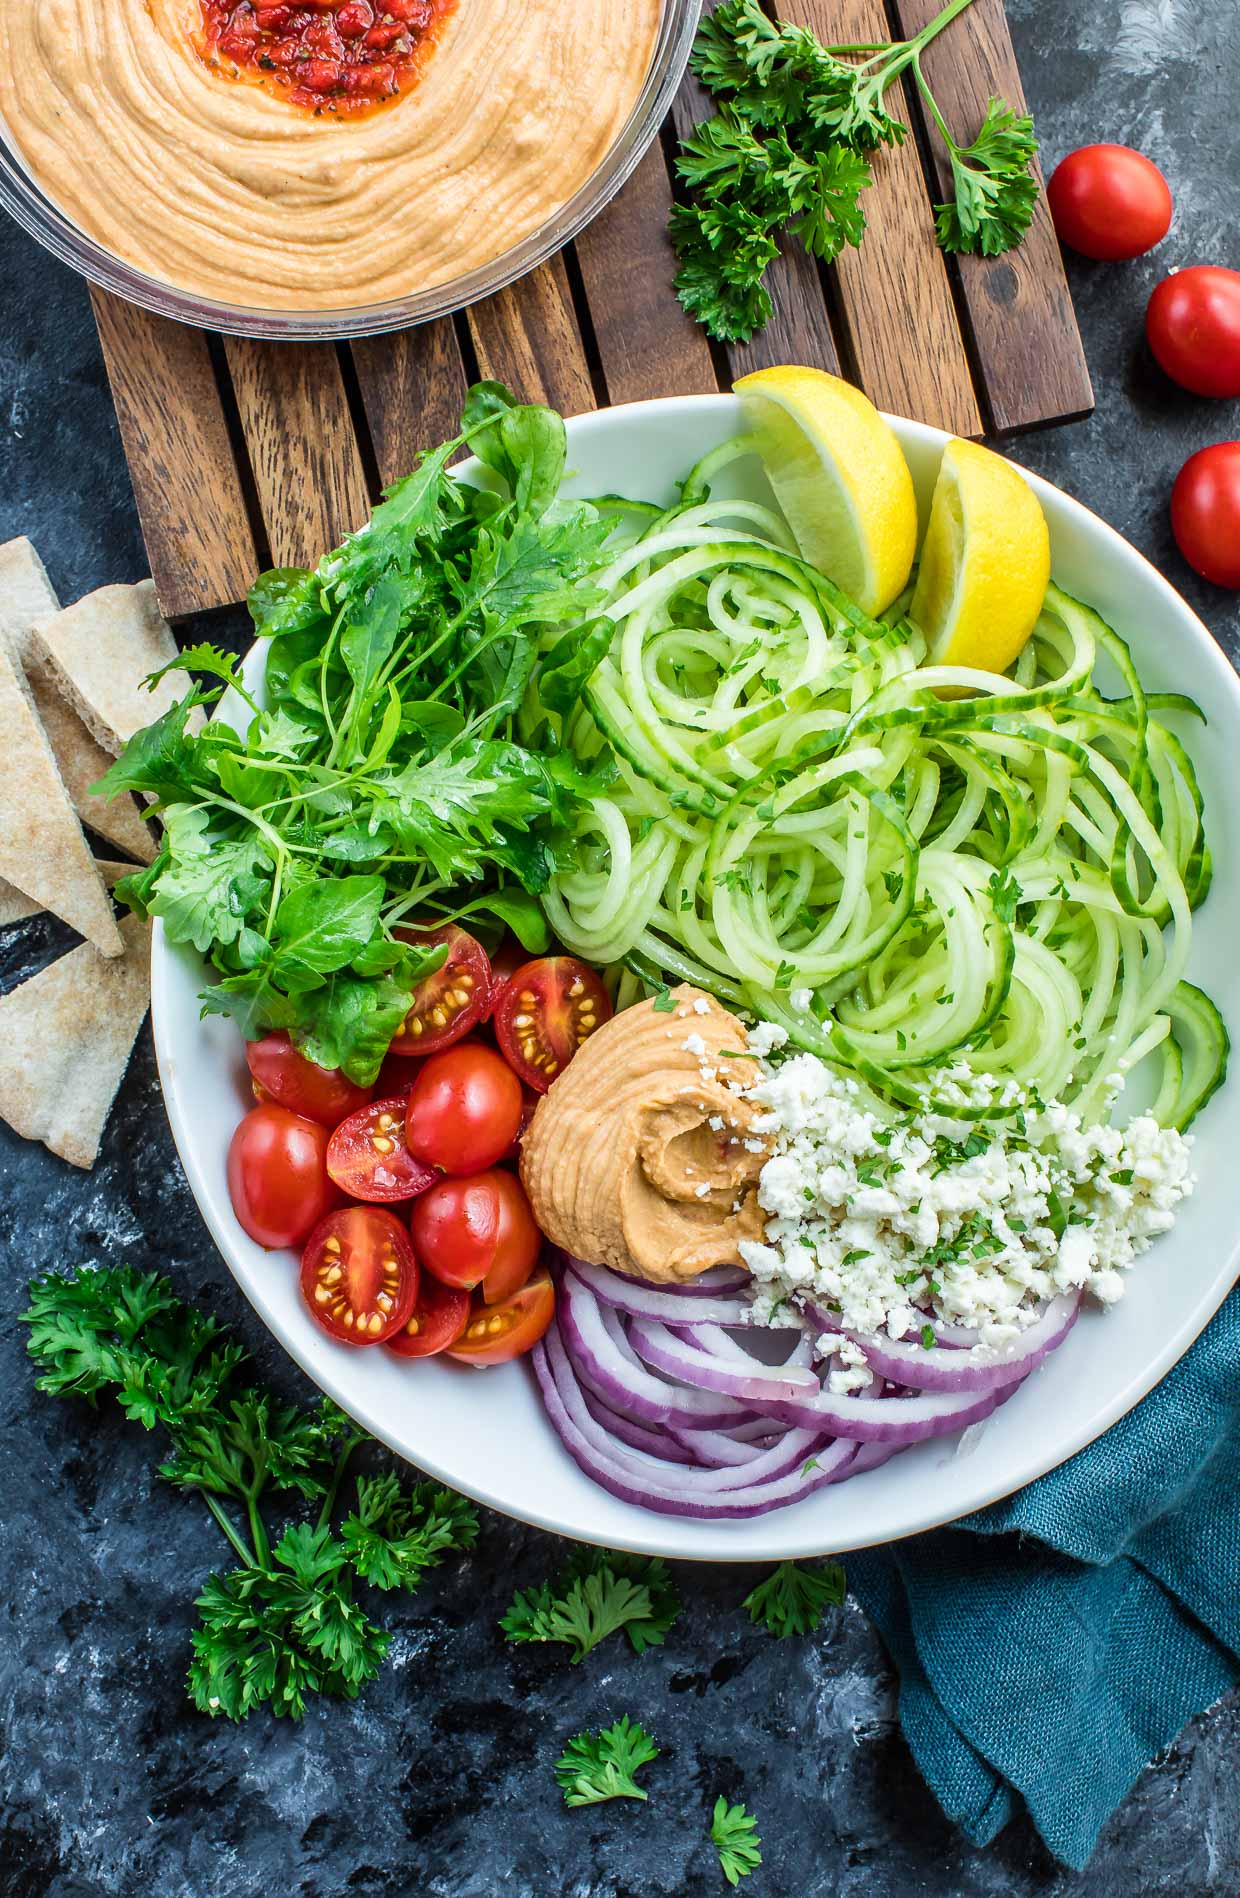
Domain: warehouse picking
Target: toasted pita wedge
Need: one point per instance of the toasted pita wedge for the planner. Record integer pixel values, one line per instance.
(100, 650)
(42, 849)
(65, 1040)
(27, 595)
(15, 905)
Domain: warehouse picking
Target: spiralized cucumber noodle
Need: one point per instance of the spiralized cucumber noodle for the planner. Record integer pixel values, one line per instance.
(960, 867)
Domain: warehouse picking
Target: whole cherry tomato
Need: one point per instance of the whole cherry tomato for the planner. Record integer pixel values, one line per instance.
(463, 1110)
(478, 1230)
(1205, 513)
(286, 1075)
(277, 1175)
(1109, 202)
(1193, 326)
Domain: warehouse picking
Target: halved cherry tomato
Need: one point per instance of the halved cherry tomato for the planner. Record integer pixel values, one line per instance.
(437, 1320)
(368, 1157)
(396, 1077)
(529, 1101)
(463, 1110)
(544, 1013)
(359, 1275)
(508, 958)
(448, 1003)
(288, 1076)
(496, 1333)
(477, 1229)
(277, 1175)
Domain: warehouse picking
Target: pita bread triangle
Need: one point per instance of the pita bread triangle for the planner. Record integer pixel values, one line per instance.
(27, 595)
(42, 848)
(66, 1036)
(99, 651)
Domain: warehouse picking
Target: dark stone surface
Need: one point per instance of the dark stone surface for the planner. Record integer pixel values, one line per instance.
(437, 1781)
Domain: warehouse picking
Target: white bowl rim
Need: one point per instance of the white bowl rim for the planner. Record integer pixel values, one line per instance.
(661, 1538)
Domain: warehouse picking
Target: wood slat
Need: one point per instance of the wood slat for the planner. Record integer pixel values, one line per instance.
(303, 450)
(527, 337)
(915, 365)
(186, 482)
(647, 345)
(1031, 362)
(413, 384)
(799, 330)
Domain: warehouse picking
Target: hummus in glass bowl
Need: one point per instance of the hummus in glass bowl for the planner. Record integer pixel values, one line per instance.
(342, 165)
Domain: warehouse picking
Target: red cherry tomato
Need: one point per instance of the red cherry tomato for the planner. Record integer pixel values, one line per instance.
(1205, 513)
(1193, 326)
(1109, 202)
(544, 1013)
(478, 1230)
(529, 1101)
(301, 1085)
(449, 1003)
(508, 958)
(437, 1320)
(496, 1333)
(359, 1276)
(396, 1077)
(463, 1110)
(368, 1157)
(277, 1175)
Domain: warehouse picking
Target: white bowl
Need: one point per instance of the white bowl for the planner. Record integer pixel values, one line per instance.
(485, 1433)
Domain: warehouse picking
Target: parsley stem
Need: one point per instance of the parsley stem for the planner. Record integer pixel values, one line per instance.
(945, 18)
(262, 1546)
(221, 1516)
(333, 1488)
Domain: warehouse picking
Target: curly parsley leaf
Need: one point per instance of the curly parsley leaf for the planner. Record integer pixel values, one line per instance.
(734, 1835)
(792, 1599)
(284, 1624)
(598, 1766)
(597, 1593)
(995, 190)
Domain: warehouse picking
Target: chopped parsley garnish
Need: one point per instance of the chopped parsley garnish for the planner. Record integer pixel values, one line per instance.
(793, 1598)
(734, 1835)
(664, 1002)
(927, 1337)
(603, 1765)
(599, 1592)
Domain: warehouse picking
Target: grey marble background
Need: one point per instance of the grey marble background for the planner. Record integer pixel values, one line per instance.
(437, 1782)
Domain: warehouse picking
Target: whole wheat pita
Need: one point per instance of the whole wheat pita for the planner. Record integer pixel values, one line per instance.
(42, 848)
(27, 595)
(99, 651)
(66, 1036)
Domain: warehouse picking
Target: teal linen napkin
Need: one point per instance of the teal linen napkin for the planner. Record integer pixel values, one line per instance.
(1048, 1647)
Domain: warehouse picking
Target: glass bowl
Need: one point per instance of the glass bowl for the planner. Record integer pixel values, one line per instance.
(23, 199)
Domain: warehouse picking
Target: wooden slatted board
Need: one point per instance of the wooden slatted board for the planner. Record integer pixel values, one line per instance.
(246, 454)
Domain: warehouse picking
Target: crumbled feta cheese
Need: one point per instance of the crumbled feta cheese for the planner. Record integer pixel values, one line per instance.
(800, 1000)
(715, 1123)
(884, 1217)
(693, 1044)
(766, 1037)
(700, 1005)
(702, 1190)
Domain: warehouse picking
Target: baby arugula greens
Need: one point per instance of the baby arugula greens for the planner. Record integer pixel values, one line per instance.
(789, 148)
(384, 775)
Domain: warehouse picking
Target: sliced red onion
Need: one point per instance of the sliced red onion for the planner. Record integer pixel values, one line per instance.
(977, 1369)
(599, 1347)
(719, 1449)
(670, 1306)
(745, 1379)
(654, 1441)
(712, 1337)
(882, 1420)
(678, 1492)
(719, 1282)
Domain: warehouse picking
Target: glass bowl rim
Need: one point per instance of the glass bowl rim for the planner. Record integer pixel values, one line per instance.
(41, 218)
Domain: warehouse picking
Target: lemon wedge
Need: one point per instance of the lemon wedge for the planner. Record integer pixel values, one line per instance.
(840, 477)
(985, 563)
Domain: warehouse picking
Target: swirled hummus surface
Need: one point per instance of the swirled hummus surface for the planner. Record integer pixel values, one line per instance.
(641, 1155)
(231, 191)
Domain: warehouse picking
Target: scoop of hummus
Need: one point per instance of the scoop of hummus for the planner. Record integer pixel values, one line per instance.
(641, 1156)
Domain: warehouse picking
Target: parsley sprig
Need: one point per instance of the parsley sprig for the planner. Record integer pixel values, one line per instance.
(598, 1592)
(734, 1835)
(285, 1623)
(789, 150)
(793, 1599)
(598, 1766)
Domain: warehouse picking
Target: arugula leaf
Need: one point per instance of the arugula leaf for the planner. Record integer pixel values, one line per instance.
(598, 1592)
(284, 600)
(205, 889)
(734, 1835)
(792, 1599)
(320, 927)
(598, 1766)
(160, 759)
(284, 1624)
